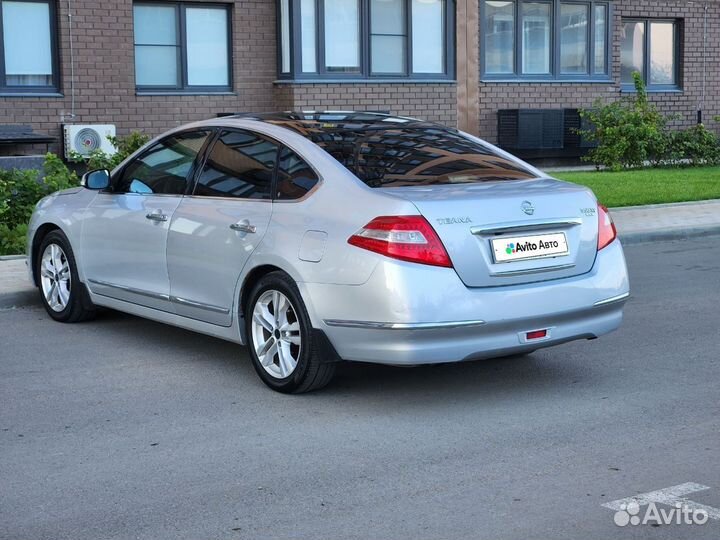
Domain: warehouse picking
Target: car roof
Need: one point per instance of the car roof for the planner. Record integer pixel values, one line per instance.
(338, 122)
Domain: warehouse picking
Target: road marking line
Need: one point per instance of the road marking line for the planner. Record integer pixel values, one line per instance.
(670, 496)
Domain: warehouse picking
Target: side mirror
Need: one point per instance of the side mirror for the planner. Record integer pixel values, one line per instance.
(99, 179)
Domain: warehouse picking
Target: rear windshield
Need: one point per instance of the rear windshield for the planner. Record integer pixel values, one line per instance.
(417, 154)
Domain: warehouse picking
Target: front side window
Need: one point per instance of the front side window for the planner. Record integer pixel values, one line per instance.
(164, 168)
(544, 39)
(650, 47)
(27, 48)
(181, 47)
(338, 39)
(241, 164)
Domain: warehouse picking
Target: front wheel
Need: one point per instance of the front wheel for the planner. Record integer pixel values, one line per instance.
(280, 337)
(62, 294)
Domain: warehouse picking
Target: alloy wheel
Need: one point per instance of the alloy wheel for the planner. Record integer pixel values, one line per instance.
(276, 334)
(55, 277)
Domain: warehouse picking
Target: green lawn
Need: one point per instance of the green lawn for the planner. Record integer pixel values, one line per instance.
(649, 186)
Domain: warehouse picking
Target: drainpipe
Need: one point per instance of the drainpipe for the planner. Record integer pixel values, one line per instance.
(701, 105)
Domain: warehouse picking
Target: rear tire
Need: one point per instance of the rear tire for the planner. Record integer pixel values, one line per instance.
(63, 295)
(280, 339)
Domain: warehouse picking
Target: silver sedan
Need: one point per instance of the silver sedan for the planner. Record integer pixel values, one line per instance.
(320, 237)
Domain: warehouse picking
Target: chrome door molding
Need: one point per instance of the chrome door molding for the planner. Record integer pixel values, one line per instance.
(157, 296)
(199, 305)
(133, 290)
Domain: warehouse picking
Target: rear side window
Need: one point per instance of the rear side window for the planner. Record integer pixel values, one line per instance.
(164, 168)
(395, 152)
(294, 176)
(241, 165)
(423, 157)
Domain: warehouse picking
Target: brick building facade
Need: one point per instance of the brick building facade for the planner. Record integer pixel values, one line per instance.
(96, 46)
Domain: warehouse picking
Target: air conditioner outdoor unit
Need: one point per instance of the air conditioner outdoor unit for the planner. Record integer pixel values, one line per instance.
(83, 139)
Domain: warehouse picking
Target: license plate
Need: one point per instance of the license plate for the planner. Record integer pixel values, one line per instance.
(538, 246)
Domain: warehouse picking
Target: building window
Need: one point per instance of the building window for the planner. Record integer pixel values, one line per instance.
(182, 47)
(360, 39)
(28, 59)
(650, 47)
(545, 39)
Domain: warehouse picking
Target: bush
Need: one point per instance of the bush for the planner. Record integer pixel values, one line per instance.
(19, 193)
(124, 145)
(20, 190)
(697, 145)
(629, 131)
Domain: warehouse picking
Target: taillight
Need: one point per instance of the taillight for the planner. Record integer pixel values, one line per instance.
(606, 228)
(408, 238)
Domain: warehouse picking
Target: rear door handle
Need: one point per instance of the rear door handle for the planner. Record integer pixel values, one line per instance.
(243, 226)
(157, 216)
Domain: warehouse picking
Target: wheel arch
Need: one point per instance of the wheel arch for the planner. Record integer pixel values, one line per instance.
(40, 233)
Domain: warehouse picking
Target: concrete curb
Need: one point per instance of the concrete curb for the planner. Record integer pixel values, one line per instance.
(664, 205)
(641, 237)
(11, 257)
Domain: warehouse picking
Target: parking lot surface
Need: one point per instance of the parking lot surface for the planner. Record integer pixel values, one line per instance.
(125, 428)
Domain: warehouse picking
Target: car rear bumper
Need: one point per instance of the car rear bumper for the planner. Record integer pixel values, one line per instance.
(408, 314)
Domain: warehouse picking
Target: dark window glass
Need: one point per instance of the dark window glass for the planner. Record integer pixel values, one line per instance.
(649, 47)
(179, 46)
(294, 176)
(241, 164)
(27, 46)
(366, 38)
(393, 152)
(544, 39)
(164, 168)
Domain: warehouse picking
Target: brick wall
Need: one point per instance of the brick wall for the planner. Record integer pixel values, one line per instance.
(435, 102)
(105, 85)
(105, 78)
(494, 96)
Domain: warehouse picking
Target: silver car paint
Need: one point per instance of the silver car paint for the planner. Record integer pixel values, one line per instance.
(346, 285)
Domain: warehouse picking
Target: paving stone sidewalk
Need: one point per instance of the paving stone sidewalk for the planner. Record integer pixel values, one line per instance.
(635, 224)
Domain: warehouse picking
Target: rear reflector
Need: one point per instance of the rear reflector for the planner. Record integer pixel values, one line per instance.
(408, 238)
(536, 334)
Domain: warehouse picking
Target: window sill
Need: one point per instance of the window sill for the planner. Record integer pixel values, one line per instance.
(652, 90)
(49, 94)
(545, 81)
(364, 81)
(183, 93)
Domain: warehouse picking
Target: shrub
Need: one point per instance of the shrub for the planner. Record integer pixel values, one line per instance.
(124, 145)
(20, 190)
(698, 145)
(629, 131)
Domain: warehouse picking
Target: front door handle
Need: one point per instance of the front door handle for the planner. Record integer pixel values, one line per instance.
(243, 226)
(157, 216)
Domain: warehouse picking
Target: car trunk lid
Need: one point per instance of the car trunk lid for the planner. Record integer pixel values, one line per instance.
(489, 228)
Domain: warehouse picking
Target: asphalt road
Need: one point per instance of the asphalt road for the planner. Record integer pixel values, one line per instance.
(125, 428)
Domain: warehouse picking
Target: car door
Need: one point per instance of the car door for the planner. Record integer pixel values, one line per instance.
(125, 228)
(215, 229)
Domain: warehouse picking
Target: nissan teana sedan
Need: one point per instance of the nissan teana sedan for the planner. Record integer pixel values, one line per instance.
(315, 238)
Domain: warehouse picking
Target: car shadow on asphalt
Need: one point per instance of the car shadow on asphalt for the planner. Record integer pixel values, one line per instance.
(543, 371)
